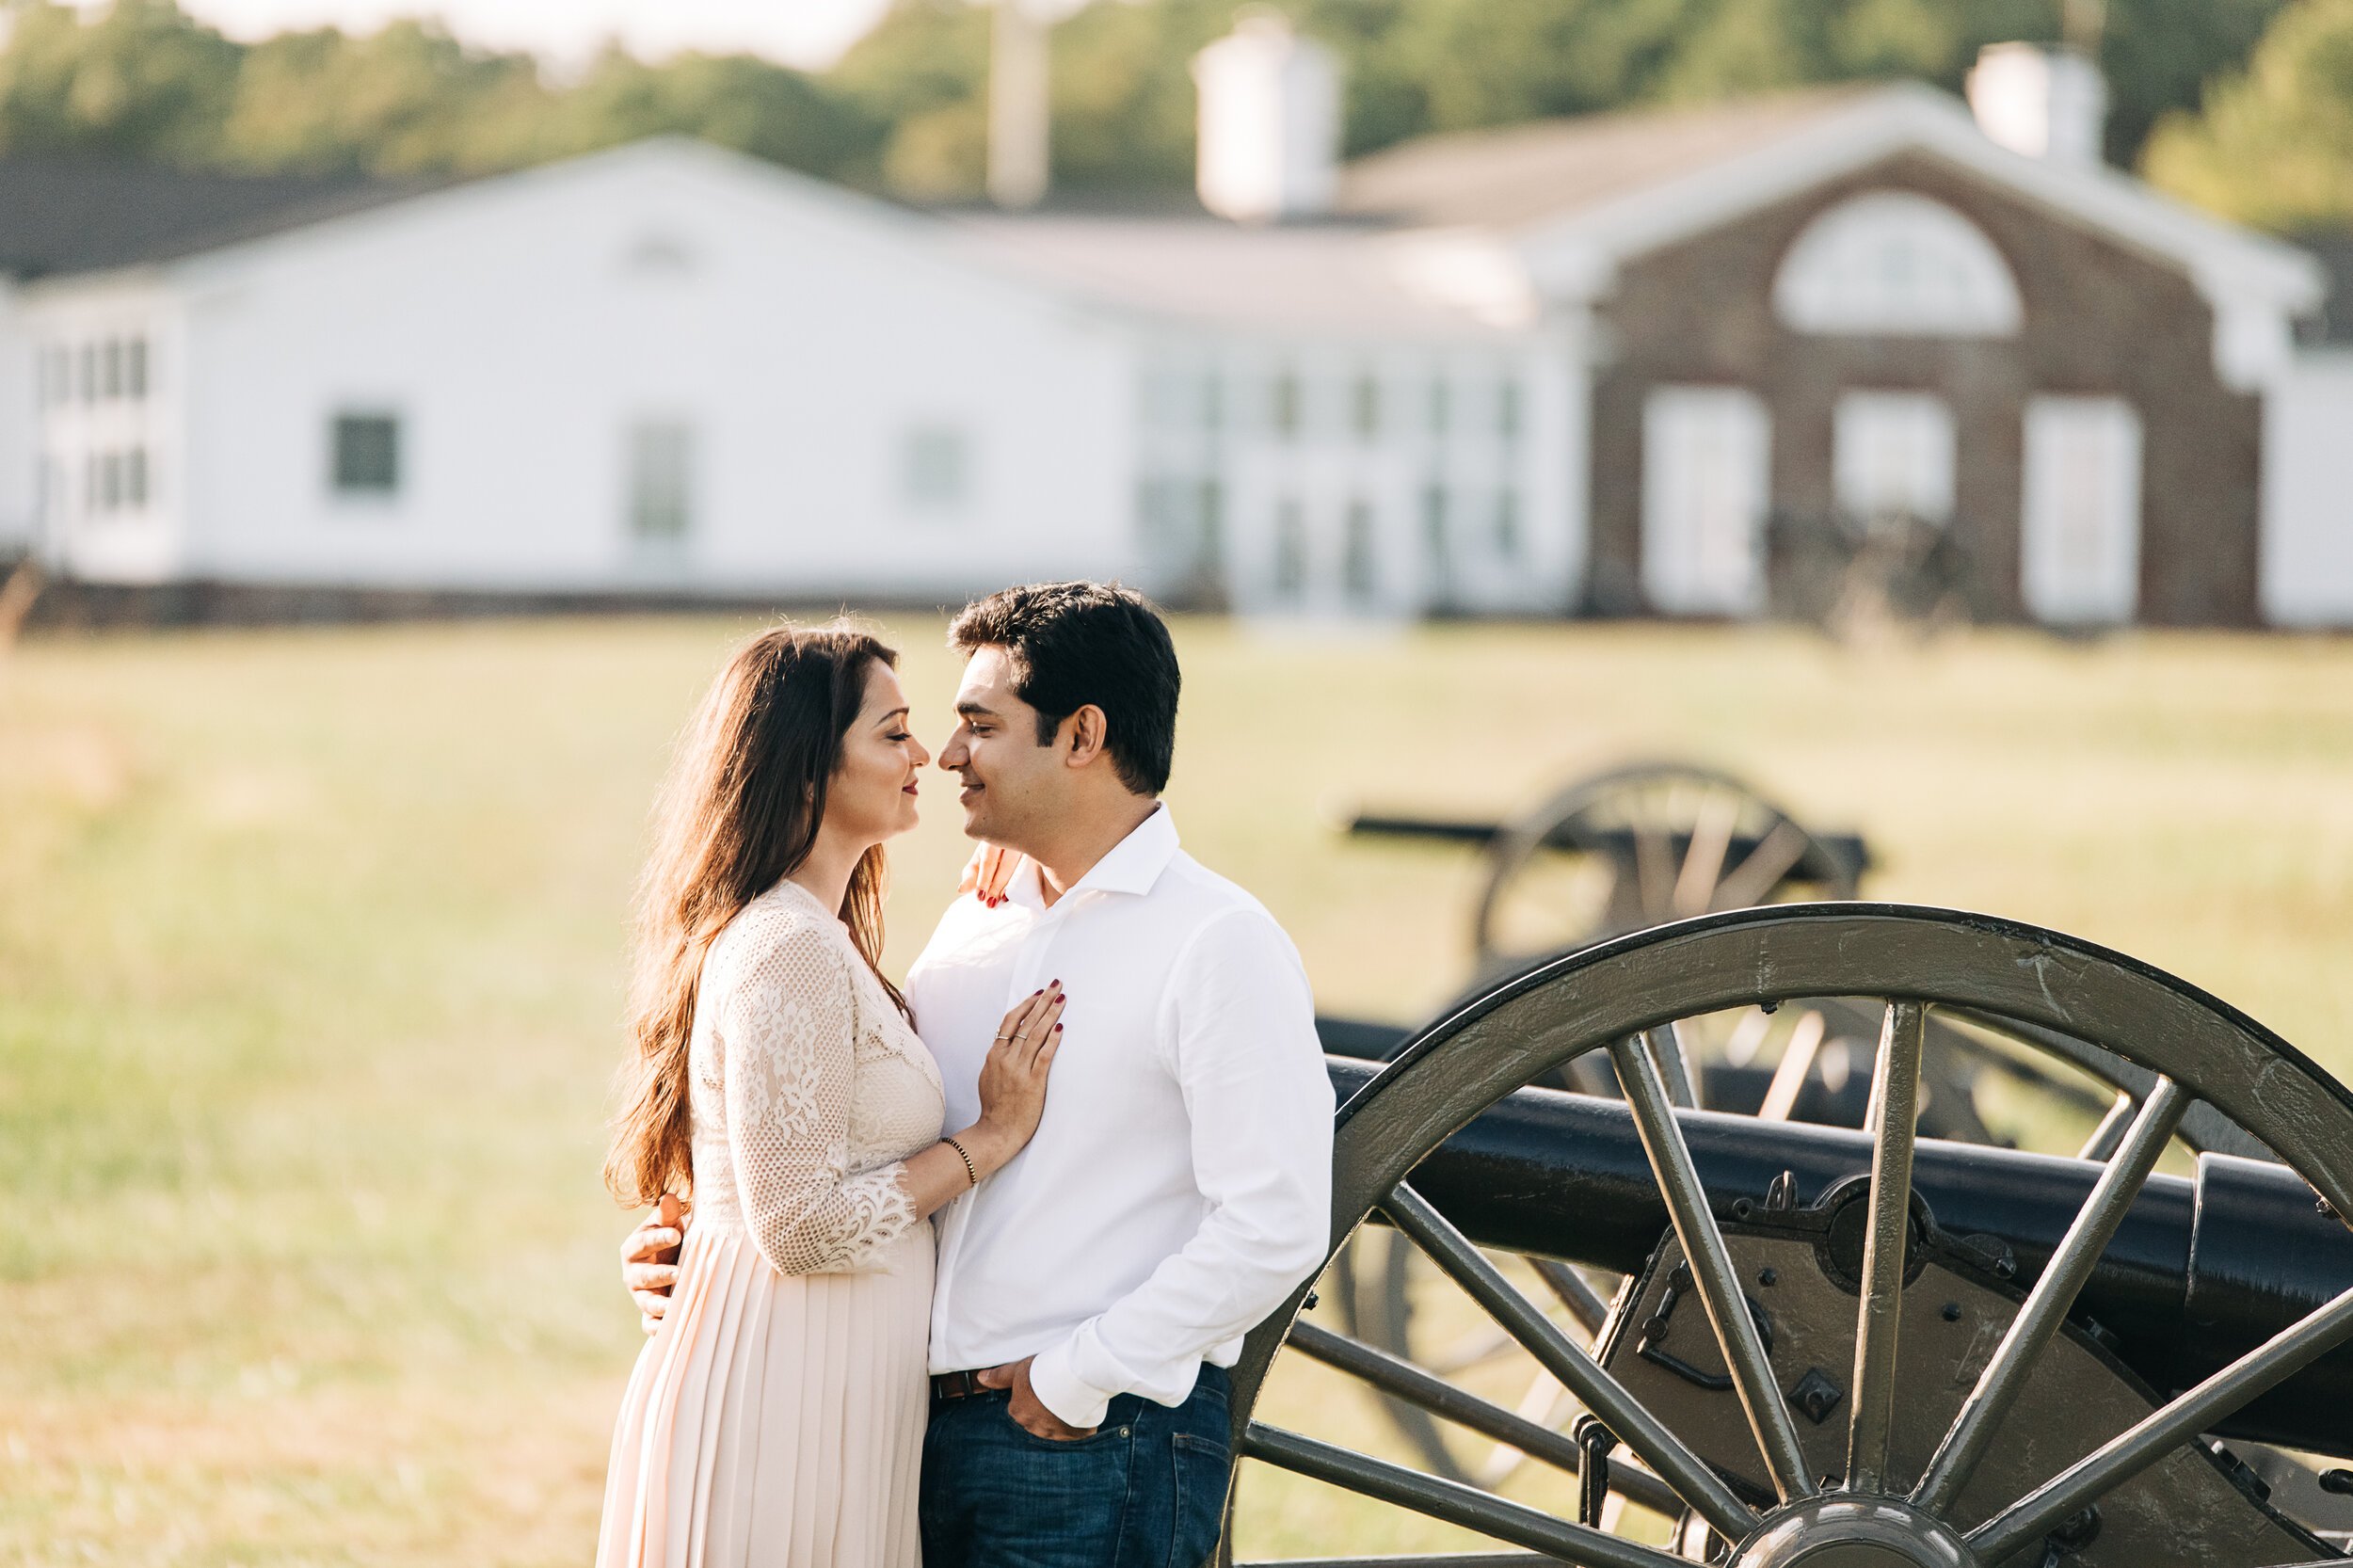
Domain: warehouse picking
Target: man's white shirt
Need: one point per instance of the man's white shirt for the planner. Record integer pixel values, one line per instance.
(1180, 1185)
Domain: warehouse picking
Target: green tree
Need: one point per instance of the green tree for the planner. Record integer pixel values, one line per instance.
(1498, 62)
(735, 101)
(407, 99)
(1122, 95)
(141, 79)
(2274, 146)
(907, 107)
(2162, 58)
(923, 72)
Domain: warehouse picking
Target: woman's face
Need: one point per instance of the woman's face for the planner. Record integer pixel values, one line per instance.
(872, 797)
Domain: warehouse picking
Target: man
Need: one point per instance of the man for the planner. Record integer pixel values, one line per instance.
(1092, 1294)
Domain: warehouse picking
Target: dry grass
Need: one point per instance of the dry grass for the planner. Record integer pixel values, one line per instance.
(309, 946)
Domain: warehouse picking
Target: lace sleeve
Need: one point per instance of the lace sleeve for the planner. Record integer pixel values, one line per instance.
(790, 1029)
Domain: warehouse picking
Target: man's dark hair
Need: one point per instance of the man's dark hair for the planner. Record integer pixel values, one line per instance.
(1072, 643)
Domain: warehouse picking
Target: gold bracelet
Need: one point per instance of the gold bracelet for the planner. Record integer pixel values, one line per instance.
(968, 1167)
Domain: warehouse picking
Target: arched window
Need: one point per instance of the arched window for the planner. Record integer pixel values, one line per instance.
(1892, 263)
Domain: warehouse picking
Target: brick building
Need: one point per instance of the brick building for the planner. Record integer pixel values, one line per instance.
(1855, 303)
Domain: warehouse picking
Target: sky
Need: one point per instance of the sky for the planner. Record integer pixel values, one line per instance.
(796, 32)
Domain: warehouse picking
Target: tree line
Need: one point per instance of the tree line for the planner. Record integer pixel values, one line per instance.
(2245, 105)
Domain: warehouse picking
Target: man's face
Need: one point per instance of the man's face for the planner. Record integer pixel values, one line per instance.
(1012, 783)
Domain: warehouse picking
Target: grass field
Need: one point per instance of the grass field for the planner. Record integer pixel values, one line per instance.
(310, 945)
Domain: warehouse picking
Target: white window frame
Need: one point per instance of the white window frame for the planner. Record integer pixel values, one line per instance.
(350, 489)
(935, 463)
(1706, 486)
(659, 483)
(1893, 453)
(1896, 263)
(2080, 515)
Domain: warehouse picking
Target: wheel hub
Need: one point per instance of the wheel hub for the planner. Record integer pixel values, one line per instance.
(1854, 1532)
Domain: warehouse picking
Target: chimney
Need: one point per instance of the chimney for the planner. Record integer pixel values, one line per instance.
(2046, 102)
(1269, 121)
(1019, 145)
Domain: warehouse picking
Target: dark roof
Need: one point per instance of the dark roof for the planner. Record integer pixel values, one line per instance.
(2332, 324)
(82, 215)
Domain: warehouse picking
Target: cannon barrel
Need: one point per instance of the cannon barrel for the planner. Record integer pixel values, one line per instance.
(1850, 847)
(2201, 1270)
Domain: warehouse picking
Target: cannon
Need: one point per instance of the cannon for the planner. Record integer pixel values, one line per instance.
(1842, 1346)
(1639, 846)
(1631, 847)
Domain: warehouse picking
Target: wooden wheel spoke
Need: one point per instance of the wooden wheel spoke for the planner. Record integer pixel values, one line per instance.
(1553, 1350)
(1797, 1061)
(1400, 1379)
(1550, 1406)
(1703, 856)
(2031, 1331)
(1654, 871)
(1450, 1501)
(1674, 1066)
(1584, 1303)
(2109, 1135)
(1623, 909)
(1711, 1267)
(1762, 871)
(2150, 1440)
(1879, 1317)
(1472, 1350)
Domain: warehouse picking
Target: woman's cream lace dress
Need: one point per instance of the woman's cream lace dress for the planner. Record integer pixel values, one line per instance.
(777, 1417)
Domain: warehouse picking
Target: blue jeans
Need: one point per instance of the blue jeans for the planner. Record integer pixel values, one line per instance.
(1146, 1491)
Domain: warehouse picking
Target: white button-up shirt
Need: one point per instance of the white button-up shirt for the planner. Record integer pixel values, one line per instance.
(1180, 1185)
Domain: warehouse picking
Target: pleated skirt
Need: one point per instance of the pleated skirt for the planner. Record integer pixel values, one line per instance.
(774, 1420)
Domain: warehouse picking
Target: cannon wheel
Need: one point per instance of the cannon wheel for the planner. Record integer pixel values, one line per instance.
(1622, 996)
(1640, 846)
(1373, 1279)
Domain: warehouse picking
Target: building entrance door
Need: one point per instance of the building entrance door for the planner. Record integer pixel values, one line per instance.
(2080, 563)
(1891, 455)
(1707, 470)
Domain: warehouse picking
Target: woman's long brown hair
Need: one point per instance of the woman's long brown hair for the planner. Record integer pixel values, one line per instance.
(737, 814)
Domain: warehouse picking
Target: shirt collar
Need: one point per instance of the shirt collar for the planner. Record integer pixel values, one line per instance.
(1132, 866)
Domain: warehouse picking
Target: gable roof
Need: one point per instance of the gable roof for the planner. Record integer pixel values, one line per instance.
(1522, 174)
(1583, 195)
(1292, 279)
(1580, 198)
(67, 215)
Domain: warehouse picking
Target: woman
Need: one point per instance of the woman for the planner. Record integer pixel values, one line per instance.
(777, 1417)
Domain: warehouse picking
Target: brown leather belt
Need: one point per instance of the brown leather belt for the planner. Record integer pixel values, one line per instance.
(959, 1385)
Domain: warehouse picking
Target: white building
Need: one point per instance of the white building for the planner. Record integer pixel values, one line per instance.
(1389, 389)
(661, 368)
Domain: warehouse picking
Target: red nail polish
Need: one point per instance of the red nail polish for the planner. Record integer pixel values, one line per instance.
(1058, 1028)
